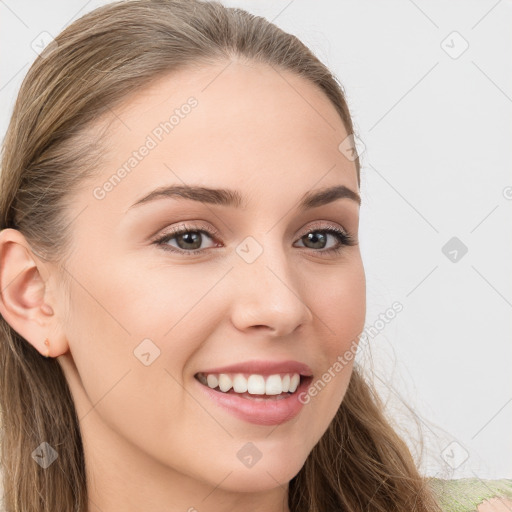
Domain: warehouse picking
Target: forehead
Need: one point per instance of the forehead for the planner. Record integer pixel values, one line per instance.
(232, 84)
(227, 122)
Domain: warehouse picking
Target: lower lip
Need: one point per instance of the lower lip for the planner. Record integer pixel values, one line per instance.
(261, 412)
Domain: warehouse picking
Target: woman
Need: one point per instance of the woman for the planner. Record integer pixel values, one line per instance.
(182, 286)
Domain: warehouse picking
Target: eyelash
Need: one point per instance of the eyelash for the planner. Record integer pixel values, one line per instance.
(344, 238)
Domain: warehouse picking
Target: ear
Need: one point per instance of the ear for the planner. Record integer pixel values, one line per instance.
(25, 299)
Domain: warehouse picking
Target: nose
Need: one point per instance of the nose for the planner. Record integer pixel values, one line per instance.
(269, 295)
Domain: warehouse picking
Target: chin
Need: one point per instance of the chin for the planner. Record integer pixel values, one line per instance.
(265, 475)
(259, 481)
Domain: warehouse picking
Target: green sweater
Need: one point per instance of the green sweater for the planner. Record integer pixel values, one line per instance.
(466, 494)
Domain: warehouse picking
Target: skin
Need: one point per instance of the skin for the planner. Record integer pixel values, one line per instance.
(151, 440)
(495, 505)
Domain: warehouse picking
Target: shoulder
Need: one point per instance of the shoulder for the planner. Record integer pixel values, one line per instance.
(473, 494)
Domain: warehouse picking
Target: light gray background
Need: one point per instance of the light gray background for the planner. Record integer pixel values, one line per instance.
(437, 131)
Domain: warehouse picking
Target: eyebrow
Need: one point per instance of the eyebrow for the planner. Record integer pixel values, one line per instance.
(233, 198)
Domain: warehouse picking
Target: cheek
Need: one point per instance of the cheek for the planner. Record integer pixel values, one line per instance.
(112, 333)
(338, 300)
(134, 329)
(340, 312)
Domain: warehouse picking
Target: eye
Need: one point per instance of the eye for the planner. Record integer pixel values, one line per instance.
(344, 239)
(189, 239)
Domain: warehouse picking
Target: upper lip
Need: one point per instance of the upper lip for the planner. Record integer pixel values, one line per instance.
(264, 368)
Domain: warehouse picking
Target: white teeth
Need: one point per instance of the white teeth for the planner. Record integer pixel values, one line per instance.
(212, 381)
(294, 382)
(273, 386)
(225, 383)
(253, 384)
(256, 385)
(286, 383)
(240, 384)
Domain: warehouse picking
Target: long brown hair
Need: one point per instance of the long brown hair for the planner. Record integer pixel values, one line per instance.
(360, 463)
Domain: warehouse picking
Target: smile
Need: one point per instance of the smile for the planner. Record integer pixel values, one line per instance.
(251, 384)
(255, 398)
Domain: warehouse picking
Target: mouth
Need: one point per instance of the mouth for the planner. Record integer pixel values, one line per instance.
(257, 387)
(258, 391)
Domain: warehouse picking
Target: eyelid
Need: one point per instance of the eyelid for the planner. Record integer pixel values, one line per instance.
(184, 225)
(213, 232)
(324, 224)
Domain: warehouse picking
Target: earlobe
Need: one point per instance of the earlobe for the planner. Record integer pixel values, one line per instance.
(23, 292)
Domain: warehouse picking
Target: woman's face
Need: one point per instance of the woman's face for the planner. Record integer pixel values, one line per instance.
(255, 284)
